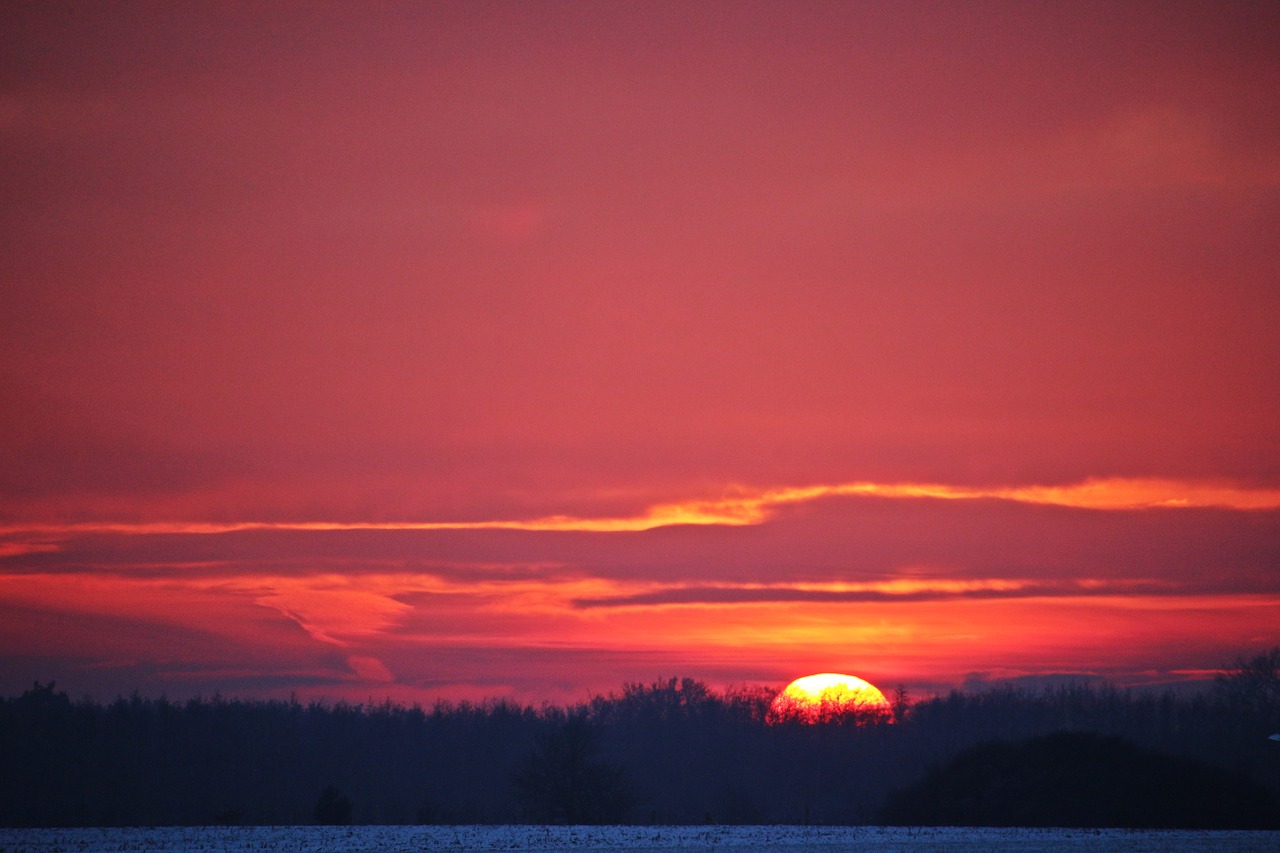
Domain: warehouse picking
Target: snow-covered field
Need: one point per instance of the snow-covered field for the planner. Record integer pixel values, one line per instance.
(740, 839)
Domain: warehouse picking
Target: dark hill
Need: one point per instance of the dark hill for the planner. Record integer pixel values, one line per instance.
(1077, 779)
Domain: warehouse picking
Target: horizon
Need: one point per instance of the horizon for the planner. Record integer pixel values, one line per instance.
(486, 350)
(842, 706)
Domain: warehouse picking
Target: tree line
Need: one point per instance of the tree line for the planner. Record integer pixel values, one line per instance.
(673, 751)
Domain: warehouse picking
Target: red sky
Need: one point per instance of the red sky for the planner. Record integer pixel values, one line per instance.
(523, 349)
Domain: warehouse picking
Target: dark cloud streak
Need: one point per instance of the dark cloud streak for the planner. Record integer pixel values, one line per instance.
(756, 595)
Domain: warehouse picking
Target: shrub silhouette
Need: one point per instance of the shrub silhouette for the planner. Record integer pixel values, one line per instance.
(1078, 779)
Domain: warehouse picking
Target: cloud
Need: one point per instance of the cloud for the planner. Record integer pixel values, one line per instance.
(907, 589)
(332, 608)
(18, 548)
(744, 506)
(826, 538)
(370, 669)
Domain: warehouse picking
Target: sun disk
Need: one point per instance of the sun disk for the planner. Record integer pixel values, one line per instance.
(827, 697)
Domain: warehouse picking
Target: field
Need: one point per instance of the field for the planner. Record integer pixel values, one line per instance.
(398, 839)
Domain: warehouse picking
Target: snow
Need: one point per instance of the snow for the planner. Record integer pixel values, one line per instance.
(636, 839)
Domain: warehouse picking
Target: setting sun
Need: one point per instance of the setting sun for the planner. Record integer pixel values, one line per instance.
(830, 696)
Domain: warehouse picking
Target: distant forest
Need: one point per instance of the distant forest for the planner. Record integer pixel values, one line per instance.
(672, 752)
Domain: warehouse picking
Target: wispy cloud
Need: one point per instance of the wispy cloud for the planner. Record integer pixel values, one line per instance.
(742, 506)
(902, 589)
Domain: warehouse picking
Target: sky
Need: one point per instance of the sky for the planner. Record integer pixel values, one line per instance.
(452, 350)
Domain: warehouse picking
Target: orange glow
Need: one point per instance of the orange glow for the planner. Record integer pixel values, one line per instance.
(375, 626)
(828, 697)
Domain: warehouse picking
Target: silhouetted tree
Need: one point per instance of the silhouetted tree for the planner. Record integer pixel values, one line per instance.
(333, 808)
(901, 703)
(1253, 685)
(563, 781)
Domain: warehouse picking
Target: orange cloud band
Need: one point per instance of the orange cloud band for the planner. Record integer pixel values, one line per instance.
(747, 507)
